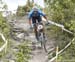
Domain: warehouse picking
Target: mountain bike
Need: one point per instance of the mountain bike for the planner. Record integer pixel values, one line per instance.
(42, 37)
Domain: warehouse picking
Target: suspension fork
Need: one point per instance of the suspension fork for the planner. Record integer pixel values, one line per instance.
(35, 29)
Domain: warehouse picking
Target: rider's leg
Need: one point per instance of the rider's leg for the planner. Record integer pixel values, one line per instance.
(35, 31)
(35, 28)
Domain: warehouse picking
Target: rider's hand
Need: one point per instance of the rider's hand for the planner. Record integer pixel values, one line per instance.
(47, 23)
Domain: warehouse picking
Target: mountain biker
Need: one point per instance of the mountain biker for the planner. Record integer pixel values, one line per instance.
(35, 15)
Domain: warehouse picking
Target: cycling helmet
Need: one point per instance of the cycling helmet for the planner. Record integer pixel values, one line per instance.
(35, 8)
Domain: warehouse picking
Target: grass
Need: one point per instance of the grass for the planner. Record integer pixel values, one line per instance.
(69, 54)
(61, 39)
(1, 41)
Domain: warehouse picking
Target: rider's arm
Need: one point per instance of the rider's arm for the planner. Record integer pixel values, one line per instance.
(30, 16)
(41, 13)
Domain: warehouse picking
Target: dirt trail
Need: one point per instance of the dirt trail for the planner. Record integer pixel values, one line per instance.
(37, 54)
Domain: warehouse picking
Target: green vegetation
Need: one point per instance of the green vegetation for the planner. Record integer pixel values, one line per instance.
(1, 41)
(62, 12)
(4, 28)
(23, 53)
(68, 55)
(22, 10)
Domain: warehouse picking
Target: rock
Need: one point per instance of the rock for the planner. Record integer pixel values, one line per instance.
(11, 60)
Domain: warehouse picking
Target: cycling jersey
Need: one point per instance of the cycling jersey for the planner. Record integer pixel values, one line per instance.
(40, 13)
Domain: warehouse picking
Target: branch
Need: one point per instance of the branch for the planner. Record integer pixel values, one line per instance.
(5, 44)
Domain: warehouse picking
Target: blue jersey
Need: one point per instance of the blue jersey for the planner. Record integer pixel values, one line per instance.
(39, 13)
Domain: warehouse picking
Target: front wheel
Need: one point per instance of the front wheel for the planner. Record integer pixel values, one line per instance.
(48, 46)
(42, 40)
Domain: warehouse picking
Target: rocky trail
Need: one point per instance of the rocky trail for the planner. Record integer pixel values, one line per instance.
(37, 54)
